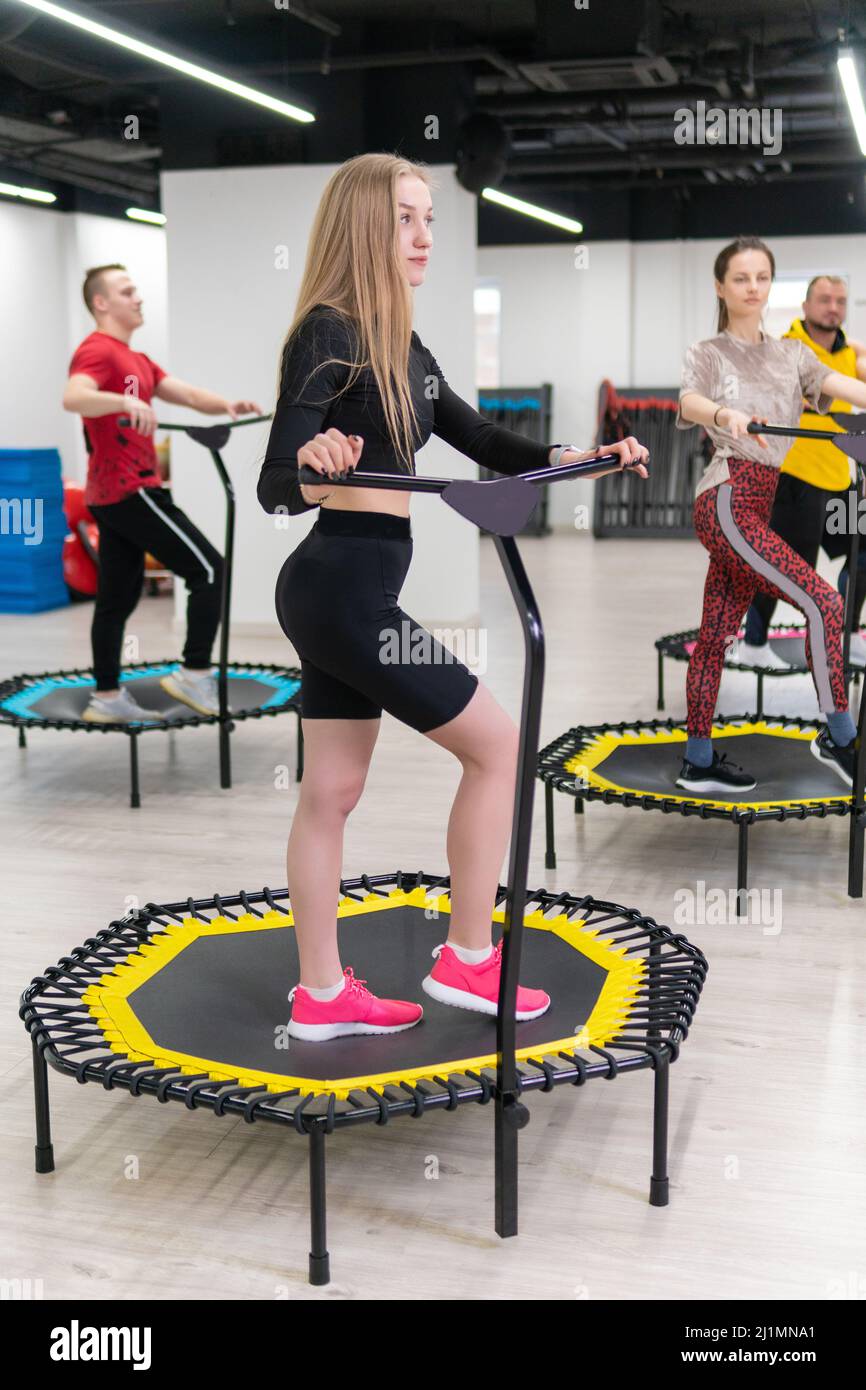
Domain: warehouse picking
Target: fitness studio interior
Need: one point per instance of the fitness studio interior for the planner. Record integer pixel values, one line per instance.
(432, 649)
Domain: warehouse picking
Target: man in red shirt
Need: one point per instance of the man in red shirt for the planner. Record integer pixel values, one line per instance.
(134, 512)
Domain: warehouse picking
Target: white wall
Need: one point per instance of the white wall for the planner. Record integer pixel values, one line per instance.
(231, 305)
(43, 258)
(33, 327)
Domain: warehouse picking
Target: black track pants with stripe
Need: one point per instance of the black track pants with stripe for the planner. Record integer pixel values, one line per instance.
(148, 521)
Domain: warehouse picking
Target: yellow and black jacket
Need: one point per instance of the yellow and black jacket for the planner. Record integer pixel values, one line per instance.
(810, 459)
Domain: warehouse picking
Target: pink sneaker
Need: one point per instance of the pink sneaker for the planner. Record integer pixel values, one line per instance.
(355, 1010)
(477, 986)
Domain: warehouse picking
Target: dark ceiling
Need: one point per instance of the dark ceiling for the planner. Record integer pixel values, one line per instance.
(586, 98)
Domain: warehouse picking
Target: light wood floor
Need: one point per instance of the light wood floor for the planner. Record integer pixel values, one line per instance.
(767, 1114)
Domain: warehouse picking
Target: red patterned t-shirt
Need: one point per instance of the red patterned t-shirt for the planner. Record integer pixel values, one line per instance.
(120, 461)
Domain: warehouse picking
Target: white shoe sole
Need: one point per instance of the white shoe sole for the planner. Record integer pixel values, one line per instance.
(831, 763)
(322, 1032)
(459, 999)
(146, 717)
(177, 692)
(714, 786)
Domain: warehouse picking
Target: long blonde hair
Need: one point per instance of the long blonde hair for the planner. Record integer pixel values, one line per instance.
(353, 267)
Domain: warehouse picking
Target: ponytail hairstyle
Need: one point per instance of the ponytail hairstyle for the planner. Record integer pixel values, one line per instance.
(353, 267)
(723, 260)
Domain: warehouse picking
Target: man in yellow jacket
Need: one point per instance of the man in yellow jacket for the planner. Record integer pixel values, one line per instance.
(815, 473)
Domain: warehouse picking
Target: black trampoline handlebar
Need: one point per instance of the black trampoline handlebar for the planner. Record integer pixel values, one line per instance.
(214, 438)
(501, 506)
(125, 423)
(417, 482)
(798, 432)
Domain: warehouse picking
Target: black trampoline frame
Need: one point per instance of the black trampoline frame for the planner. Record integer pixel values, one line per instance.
(673, 646)
(64, 1034)
(551, 771)
(213, 438)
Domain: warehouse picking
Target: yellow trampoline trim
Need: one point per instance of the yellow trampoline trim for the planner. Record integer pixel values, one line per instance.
(108, 1000)
(601, 746)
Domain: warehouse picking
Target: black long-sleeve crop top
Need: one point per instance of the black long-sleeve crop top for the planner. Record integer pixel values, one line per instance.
(324, 333)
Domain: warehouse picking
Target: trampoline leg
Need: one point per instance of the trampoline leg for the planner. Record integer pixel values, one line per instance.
(550, 848)
(857, 828)
(505, 1170)
(300, 767)
(759, 713)
(44, 1147)
(22, 737)
(320, 1264)
(578, 805)
(659, 1185)
(134, 792)
(225, 755)
(856, 835)
(742, 867)
(661, 699)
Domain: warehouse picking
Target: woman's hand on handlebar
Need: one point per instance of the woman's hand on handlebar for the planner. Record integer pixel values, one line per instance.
(631, 454)
(736, 422)
(334, 455)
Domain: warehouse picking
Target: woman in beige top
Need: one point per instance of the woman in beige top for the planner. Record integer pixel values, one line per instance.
(728, 381)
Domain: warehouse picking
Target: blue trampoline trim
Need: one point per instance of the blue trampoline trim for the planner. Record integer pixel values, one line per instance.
(20, 704)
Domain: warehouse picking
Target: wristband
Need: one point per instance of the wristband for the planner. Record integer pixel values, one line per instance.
(562, 449)
(715, 413)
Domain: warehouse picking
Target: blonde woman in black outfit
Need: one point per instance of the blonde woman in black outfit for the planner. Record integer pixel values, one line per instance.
(360, 392)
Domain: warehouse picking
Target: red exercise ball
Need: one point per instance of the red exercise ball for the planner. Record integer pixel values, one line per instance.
(79, 571)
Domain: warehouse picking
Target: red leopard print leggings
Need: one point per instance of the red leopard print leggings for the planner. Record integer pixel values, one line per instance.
(732, 522)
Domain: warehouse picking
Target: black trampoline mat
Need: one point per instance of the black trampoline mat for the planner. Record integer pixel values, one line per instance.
(784, 768)
(70, 701)
(224, 997)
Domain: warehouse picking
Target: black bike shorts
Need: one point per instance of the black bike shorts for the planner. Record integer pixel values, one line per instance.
(337, 602)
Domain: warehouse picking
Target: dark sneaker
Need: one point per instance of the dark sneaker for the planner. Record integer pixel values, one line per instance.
(720, 776)
(840, 758)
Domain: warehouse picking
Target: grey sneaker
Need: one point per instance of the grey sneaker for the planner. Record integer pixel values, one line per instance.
(199, 692)
(120, 709)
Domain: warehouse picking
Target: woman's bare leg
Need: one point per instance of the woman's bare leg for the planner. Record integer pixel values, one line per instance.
(337, 756)
(486, 741)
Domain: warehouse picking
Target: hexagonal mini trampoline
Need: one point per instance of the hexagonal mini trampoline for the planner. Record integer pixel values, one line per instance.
(787, 641)
(636, 764)
(187, 1002)
(57, 699)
